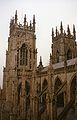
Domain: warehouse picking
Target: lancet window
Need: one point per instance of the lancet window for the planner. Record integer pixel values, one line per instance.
(23, 55)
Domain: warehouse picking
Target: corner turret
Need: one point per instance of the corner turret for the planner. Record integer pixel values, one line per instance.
(25, 20)
(34, 23)
(40, 66)
(16, 17)
(68, 30)
(74, 32)
(61, 28)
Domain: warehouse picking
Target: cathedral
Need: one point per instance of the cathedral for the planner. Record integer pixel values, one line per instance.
(37, 92)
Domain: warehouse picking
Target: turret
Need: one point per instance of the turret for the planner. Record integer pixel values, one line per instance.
(40, 66)
(56, 32)
(61, 28)
(68, 30)
(52, 33)
(30, 25)
(74, 32)
(25, 19)
(40, 60)
(34, 23)
(16, 17)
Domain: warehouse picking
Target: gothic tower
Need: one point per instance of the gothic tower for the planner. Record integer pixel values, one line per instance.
(21, 58)
(63, 44)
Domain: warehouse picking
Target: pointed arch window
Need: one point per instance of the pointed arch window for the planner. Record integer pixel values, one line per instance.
(69, 54)
(60, 97)
(57, 84)
(57, 56)
(23, 55)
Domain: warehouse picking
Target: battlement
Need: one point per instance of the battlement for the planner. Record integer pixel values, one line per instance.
(27, 26)
(62, 33)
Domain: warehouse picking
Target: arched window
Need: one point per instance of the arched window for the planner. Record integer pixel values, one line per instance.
(69, 54)
(60, 97)
(23, 55)
(44, 84)
(27, 88)
(57, 84)
(57, 56)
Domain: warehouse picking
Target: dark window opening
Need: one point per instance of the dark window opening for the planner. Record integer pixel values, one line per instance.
(27, 88)
(23, 55)
(19, 92)
(44, 84)
(57, 56)
(69, 54)
(60, 100)
(73, 88)
(57, 84)
(30, 54)
(44, 98)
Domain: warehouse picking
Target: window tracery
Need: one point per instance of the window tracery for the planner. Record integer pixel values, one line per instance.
(23, 55)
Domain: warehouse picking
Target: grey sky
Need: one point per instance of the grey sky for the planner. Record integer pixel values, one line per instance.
(49, 13)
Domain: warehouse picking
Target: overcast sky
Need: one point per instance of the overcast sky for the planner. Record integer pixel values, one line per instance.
(49, 13)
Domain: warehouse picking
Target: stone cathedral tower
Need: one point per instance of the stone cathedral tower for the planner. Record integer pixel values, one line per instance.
(21, 59)
(64, 45)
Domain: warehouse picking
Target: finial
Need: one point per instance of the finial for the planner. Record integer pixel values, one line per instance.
(25, 19)
(74, 32)
(16, 17)
(56, 32)
(68, 30)
(52, 33)
(61, 27)
(40, 66)
(30, 25)
(33, 18)
(34, 23)
(40, 60)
